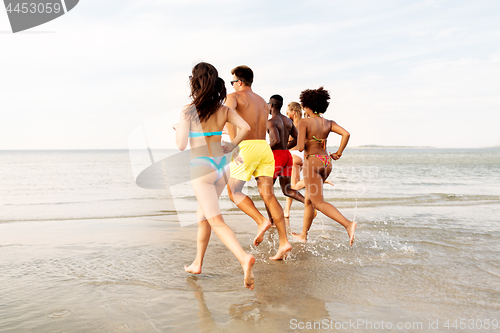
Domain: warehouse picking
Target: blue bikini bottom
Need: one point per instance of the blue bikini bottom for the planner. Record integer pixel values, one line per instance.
(218, 164)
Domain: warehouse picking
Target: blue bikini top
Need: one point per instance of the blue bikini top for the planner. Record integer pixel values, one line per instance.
(199, 134)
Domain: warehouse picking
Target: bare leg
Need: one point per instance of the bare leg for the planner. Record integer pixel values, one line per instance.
(266, 190)
(309, 215)
(297, 166)
(227, 236)
(333, 213)
(202, 239)
(204, 229)
(268, 212)
(270, 217)
(299, 185)
(288, 206)
(290, 194)
(286, 187)
(314, 177)
(208, 198)
(246, 204)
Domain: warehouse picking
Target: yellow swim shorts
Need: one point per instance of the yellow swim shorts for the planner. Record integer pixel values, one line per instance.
(258, 160)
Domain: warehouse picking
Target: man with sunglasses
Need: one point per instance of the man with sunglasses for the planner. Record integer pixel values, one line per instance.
(258, 159)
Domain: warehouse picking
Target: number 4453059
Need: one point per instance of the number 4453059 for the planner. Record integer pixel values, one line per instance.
(472, 324)
(33, 8)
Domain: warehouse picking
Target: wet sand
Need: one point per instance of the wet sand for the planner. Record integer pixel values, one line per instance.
(126, 275)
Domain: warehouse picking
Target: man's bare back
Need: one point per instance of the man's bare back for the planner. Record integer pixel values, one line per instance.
(280, 127)
(253, 109)
(284, 128)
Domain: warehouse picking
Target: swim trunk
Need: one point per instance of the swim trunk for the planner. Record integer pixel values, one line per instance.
(298, 153)
(283, 163)
(258, 160)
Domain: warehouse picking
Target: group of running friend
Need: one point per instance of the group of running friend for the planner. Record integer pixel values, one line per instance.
(245, 115)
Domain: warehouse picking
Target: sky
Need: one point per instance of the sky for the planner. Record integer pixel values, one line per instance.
(400, 73)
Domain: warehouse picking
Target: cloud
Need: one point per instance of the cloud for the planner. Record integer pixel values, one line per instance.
(395, 70)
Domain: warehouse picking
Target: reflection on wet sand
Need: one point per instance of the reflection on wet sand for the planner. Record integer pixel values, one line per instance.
(207, 323)
(269, 308)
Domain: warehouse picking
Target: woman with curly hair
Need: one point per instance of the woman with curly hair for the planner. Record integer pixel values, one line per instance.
(313, 132)
(201, 123)
(294, 112)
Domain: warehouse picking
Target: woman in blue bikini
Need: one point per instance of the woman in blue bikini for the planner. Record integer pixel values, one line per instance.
(201, 123)
(313, 132)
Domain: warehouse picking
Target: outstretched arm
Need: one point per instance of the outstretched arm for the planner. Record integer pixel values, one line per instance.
(343, 143)
(294, 133)
(182, 129)
(232, 103)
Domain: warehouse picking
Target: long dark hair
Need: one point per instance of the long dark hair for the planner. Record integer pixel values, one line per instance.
(208, 90)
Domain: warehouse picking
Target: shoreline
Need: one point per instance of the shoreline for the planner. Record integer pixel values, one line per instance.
(417, 232)
(127, 273)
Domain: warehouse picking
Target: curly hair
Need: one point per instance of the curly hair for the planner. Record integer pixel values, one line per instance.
(208, 90)
(315, 99)
(295, 108)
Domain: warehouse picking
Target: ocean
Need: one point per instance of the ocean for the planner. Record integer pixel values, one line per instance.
(85, 249)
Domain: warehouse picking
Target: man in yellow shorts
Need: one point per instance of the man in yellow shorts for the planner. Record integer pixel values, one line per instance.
(258, 159)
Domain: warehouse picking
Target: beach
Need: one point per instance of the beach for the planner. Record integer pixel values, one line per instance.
(84, 249)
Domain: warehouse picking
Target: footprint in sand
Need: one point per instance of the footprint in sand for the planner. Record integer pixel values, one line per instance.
(117, 304)
(59, 313)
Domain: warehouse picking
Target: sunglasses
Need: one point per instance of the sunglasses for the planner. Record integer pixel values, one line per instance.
(233, 82)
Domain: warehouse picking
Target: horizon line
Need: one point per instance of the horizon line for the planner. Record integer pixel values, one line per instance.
(354, 147)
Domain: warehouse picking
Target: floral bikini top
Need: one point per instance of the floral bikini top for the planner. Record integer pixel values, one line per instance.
(326, 159)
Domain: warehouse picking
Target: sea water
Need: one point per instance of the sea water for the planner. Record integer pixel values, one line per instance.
(426, 249)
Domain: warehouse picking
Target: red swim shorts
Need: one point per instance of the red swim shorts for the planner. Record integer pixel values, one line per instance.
(283, 163)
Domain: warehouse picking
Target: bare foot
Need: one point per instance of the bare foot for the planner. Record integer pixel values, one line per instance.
(299, 237)
(247, 270)
(350, 232)
(261, 231)
(282, 252)
(193, 268)
(329, 182)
